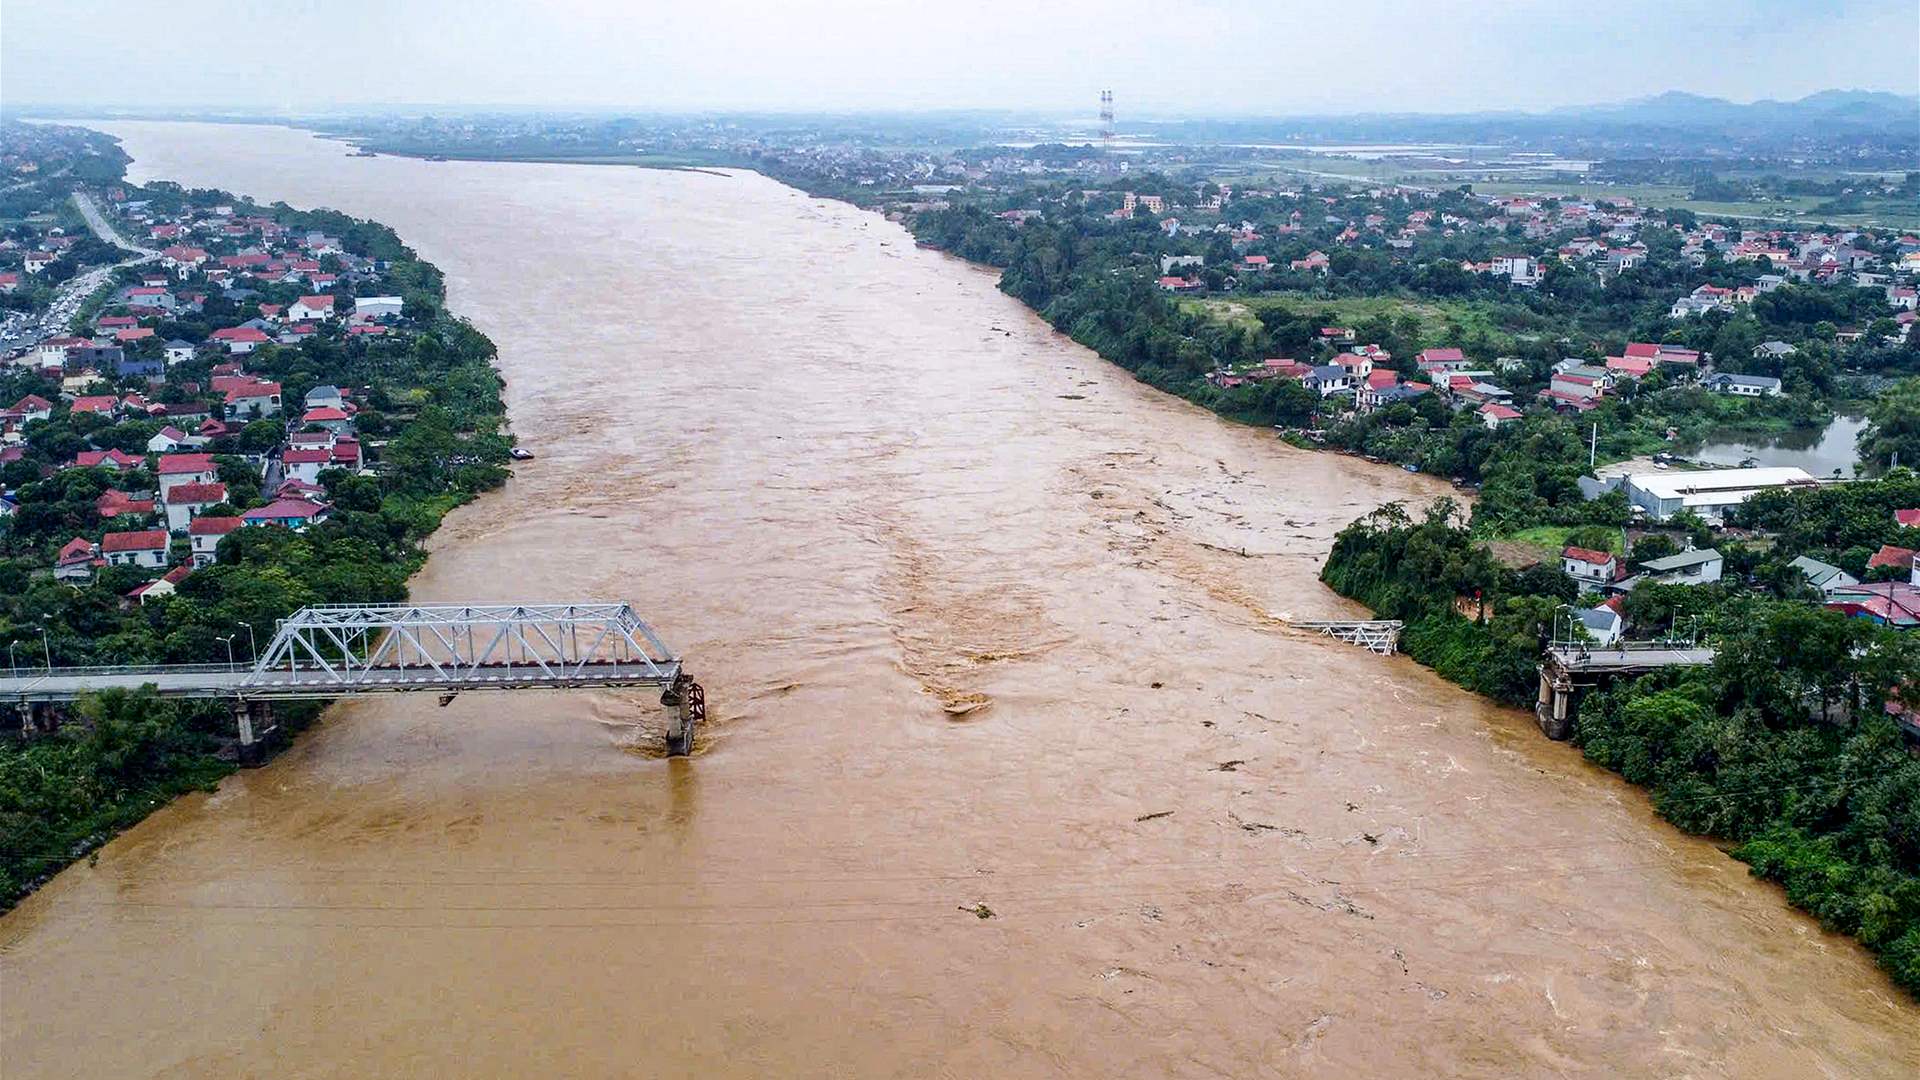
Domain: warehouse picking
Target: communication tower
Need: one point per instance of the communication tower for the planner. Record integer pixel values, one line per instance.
(1106, 117)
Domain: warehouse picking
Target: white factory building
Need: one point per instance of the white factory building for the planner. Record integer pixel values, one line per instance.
(1710, 493)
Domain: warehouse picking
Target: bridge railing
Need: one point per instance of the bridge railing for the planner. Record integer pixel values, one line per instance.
(39, 671)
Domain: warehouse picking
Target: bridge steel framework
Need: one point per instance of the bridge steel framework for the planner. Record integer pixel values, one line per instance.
(341, 650)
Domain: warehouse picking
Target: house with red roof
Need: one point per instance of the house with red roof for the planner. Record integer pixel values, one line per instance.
(1495, 415)
(240, 340)
(76, 561)
(311, 307)
(327, 417)
(184, 502)
(175, 469)
(204, 533)
(107, 459)
(1449, 359)
(100, 404)
(147, 548)
(248, 398)
(1889, 603)
(166, 440)
(33, 407)
(114, 503)
(1589, 567)
(295, 514)
(162, 586)
(1632, 367)
(304, 465)
(1893, 557)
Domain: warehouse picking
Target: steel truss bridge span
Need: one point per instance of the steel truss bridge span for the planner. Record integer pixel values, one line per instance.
(341, 650)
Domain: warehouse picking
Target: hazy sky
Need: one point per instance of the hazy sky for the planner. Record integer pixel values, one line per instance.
(1243, 57)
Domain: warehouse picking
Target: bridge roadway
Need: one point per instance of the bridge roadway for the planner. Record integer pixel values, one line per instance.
(244, 683)
(1566, 669)
(1634, 660)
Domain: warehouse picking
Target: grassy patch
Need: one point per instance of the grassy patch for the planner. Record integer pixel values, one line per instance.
(1554, 537)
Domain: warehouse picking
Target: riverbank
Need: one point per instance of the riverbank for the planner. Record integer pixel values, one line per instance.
(1822, 804)
(426, 396)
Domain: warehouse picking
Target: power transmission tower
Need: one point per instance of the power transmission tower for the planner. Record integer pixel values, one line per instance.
(1106, 118)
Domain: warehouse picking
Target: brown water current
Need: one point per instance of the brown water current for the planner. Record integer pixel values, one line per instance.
(856, 485)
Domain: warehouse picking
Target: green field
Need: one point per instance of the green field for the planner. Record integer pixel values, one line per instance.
(1888, 213)
(1441, 321)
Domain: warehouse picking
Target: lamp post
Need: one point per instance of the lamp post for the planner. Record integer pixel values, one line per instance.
(13, 664)
(228, 642)
(253, 643)
(46, 646)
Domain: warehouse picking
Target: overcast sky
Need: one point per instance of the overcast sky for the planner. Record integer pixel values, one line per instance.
(1161, 57)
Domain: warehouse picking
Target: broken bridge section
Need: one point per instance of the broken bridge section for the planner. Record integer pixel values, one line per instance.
(340, 650)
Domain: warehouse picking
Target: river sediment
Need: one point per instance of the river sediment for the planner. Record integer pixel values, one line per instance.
(983, 621)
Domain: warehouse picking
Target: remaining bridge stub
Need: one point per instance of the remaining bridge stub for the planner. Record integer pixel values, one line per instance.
(339, 650)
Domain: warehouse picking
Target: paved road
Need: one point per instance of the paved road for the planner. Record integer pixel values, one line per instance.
(66, 303)
(104, 229)
(1613, 660)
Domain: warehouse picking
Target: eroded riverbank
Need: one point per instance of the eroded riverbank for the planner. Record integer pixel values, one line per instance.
(853, 482)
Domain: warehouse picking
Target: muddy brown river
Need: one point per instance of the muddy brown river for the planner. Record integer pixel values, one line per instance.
(855, 485)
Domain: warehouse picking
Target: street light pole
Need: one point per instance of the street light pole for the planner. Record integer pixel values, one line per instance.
(47, 647)
(228, 642)
(253, 643)
(13, 664)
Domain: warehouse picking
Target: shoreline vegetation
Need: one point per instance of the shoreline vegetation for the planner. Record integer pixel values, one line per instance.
(433, 423)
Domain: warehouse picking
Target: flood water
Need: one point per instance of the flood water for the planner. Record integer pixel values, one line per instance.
(1821, 451)
(854, 484)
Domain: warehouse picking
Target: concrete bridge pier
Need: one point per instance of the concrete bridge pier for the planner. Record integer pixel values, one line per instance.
(689, 704)
(1554, 709)
(254, 721)
(38, 718)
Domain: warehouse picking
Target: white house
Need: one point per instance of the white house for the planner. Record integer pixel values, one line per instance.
(204, 536)
(166, 440)
(147, 548)
(1589, 567)
(310, 307)
(1328, 380)
(305, 465)
(184, 502)
(1604, 623)
(253, 399)
(1494, 415)
(177, 469)
(1743, 385)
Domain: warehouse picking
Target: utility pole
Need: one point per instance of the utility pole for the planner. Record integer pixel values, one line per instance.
(1593, 445)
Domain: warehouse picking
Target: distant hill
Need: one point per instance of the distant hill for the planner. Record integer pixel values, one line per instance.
(1675, 108)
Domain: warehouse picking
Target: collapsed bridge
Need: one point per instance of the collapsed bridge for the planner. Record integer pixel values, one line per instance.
(341, 650)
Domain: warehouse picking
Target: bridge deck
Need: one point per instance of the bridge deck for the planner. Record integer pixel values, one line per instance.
(243, 683)
(1617, 661)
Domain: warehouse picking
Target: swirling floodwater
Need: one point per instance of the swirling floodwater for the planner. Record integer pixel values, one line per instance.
(982, 622)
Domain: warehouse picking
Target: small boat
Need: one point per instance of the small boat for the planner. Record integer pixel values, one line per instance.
(520, 453)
